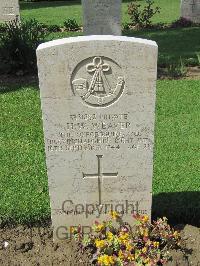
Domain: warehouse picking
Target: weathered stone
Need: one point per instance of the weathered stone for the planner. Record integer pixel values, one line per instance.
(9, 10)
(101, 17)
(98, 100)
(190, 9)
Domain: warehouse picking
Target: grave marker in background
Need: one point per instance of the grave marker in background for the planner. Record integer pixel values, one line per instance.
(101, 17)
(98, 102)
(9, 10)
(190, 9)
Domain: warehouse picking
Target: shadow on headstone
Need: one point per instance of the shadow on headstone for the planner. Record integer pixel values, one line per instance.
(178, 207)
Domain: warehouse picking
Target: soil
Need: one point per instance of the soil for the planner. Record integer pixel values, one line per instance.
(33, 246)
(192, 73)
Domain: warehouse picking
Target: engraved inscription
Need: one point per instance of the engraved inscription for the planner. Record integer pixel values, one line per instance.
(83, 132)
(96, 87)
(8, 10)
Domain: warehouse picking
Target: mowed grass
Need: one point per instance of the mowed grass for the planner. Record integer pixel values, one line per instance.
(58, 12)
(23, 178)
(173, 43)
(177, 153)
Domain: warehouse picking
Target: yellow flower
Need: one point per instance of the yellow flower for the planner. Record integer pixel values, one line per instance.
(144, 250)
(131, 257)
(106, 260)
(123, 238)
(121, 254)
(145, 218)
(98, 227)
(144, 232)
(137, 254)
(110, 236)
(176, 234)
(129, 247)
(156, 244)
(114, 215)
(72, 229)
(100, 243)
(147, 261)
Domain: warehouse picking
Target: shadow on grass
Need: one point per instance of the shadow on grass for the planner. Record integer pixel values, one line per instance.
(10, 83)
(178, 207)
(172, 43)
(127, 1)
(31, 5)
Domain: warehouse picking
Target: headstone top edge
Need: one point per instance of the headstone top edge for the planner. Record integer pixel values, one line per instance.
(95, 38)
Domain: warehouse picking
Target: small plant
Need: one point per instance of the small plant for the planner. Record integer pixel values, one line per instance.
(54, 28)
(142, 17)
(71, 25)
(177, 70)
(192, 61)
(125, 26)
(18, 44)
(182, 22)
(113, 242)
(2, 28)
(198, 58)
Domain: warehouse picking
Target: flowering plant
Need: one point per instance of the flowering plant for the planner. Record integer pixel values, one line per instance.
(114, 242)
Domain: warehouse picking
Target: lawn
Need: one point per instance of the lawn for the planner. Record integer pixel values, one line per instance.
(58, 12)
(173, 43)
(176, 182)
(24, 189)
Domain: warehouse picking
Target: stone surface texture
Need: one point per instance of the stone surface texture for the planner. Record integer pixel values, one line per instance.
(190, 9)
(98, 104)
(9, 10)
(101, 17)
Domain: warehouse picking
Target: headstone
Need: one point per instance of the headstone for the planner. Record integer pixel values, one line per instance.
(9, 10)
(101, 17)
(190, 9)
(98, 101)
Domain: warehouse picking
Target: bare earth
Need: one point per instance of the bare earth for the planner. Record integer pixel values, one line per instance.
(33, 246)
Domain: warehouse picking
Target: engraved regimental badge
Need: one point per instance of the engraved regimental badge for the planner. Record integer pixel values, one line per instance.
(98, 81)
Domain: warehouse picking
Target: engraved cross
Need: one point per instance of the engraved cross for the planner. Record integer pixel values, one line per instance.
(100, 175)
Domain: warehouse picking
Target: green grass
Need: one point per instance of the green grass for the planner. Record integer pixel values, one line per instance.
(58, 12)
(173, 43)
(23, 179)
(23, 190)
(177, 157)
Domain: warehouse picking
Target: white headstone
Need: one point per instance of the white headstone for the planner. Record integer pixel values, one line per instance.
(9, 10)
(98, 101)
(190, 9)
(101, 17)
